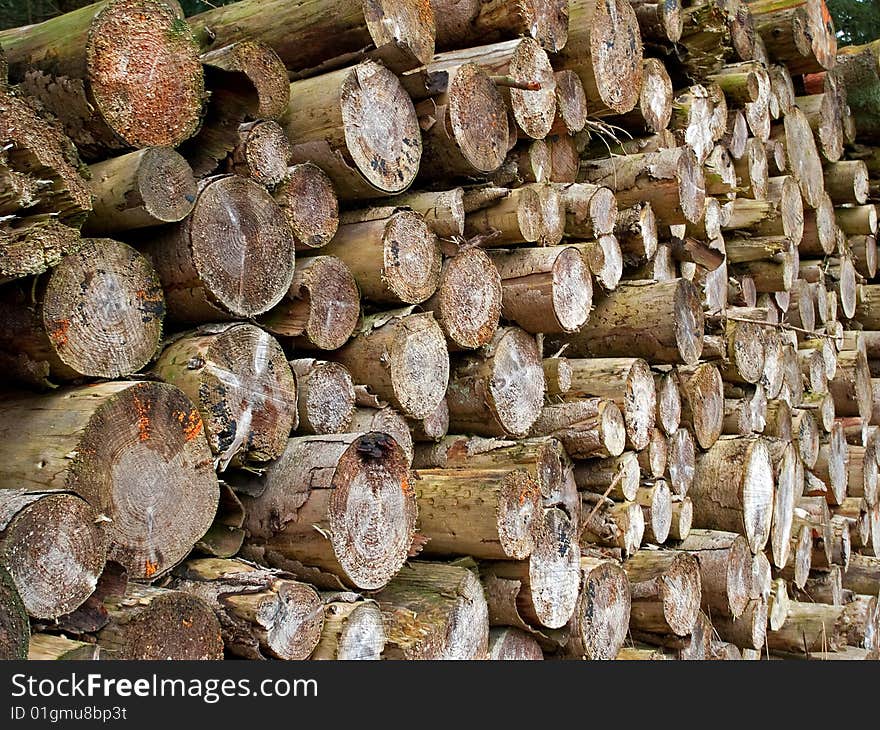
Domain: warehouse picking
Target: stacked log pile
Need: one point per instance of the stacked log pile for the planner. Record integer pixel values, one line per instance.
(440, 330)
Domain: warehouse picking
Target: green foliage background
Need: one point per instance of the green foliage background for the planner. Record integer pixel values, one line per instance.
(858, 21)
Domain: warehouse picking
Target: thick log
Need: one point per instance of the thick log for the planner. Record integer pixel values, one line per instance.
(109, 443)
(489, 514)
(462, 24)
(97, 314)
(665, 587)
(626, 381)
(530, 214)
(702, 402)
(616, 477)
(498, 391)
(36, 524)
(464, 125)
(239, 378)
(321, 308)
(599, 625)
(857, 220)
(342, 503)
(309, 40)
(262, 613)
(325, 396)
(671, 180)
(147, 623)
(547, 584)
(413, 370)
(232, 257)
(587, 428)
(308, 201)
(359, 126)
(749, 629)
(434, 611)
(605, 49)
(659, 321)
(392, 254)
(798, 33)
(510, 644)
(353, 629)
(813, 627)
(15, 630)
(148, 187)
(725, 570)
(733, 489)
(110, 87)
(863, 574)
(547, 289)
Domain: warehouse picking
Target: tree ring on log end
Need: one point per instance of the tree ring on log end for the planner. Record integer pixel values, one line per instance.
(534, 111)
(330, 398)
(411, 257)
(467, 633)
(408, 23)
(292, 616)
(363, 635)
(469, 298)
(792, 208)
(572, 290)
(682, 461)
(612, 429)
(554, 570)
(419, 366)
(264, 153)
(616, 53)
(516, 388)
(788, 489)
(655, 99)
(478, 117)
(372, 511)
(333, 301)
(166, 184)
(640, 404)
(680, 592)
(689, 321)
(705, 390)
(691, 185)
(145, 75)
(103, 310)
(547, 22)
(602, 614)
(144, 462)
(310, 205)
(242, 246)
(519, 514)
(382, 132)
(756, 490)
(54, 552)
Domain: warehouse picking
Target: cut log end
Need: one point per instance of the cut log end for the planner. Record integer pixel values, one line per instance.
(689, 321)
(325, 396)
(411, 258)
(381, 127)
(516, 389)
(534, 110)
(262, 152)
(144, 435)
(63, 527)
(103, 310)
(309, 203)
(509, 644)
(601, 618)
(145, 75)
(616, 54)
(419, 366)
(372, 510)
(408, 23)
(680, 592)
(554, 571)
(478, 118)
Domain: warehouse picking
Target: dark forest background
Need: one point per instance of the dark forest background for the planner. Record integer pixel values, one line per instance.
(858, 21)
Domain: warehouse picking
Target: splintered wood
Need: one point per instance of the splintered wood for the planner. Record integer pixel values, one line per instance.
(439, 329)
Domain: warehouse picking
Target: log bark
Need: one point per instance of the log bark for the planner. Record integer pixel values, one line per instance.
(605, 49)
(359, 126)
(500, 390)
(545, 289)
(309, 40)
(682, 518)
(488, 514)
(851, 385)
(36, 524)
(15, 630)
(262, 613)
(343, 504)
(59, 648)
(659, 321)
(109, 443)
(110, 87)
(615, 477)
(97, 314)
(239, 378)
(665, 586)
(320, 309)
(599, 625)
(147, 623)
(325, 396)
(413, 370)
(434, 611)
(392, 254)
(234, 220)
(733, 489)
(748, 630)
